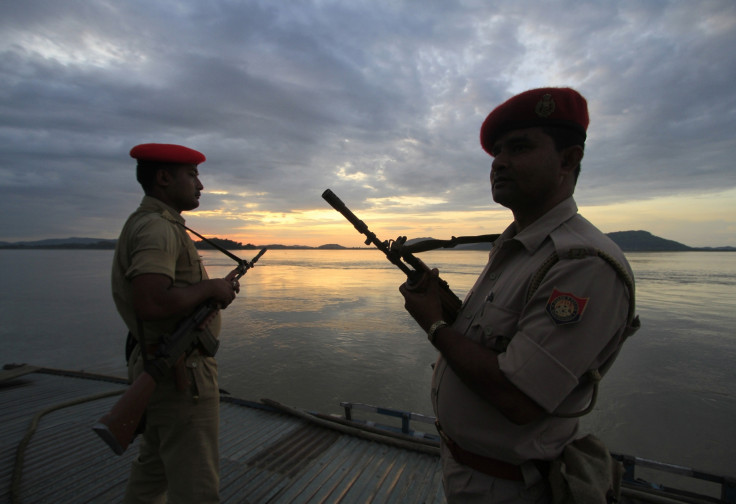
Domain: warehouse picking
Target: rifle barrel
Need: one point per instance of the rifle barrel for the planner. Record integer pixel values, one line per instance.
(336, 203)
(341, 207)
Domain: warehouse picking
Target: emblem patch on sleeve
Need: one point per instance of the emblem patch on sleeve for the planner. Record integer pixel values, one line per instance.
(565, 308)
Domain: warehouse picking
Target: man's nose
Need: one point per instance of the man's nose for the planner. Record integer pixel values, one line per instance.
(497, 163)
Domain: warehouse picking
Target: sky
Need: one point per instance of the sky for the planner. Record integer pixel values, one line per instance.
(380, 101)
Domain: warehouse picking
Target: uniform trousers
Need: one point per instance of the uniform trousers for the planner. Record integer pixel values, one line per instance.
(178, 460)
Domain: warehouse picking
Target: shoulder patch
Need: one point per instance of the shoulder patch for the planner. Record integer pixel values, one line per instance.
(565, 307)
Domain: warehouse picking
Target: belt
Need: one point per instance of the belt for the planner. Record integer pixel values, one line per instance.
(152, 350)
(486, 465)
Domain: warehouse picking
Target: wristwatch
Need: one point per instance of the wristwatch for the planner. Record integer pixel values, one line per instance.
(432, 333)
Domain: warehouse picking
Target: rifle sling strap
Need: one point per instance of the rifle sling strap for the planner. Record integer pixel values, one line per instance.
(213, 244)
(425, 245)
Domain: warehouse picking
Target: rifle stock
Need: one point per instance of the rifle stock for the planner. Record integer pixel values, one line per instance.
(118, 427)
(412, 266)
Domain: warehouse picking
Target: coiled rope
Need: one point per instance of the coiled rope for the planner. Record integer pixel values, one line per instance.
(20, 452)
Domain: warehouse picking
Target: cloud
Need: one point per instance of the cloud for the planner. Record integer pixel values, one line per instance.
(379, 100)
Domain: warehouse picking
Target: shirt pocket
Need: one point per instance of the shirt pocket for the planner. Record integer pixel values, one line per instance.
(190, 267)
(494, 326)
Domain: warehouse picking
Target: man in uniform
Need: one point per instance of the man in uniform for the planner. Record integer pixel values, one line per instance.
(552, 306)
(157, 280)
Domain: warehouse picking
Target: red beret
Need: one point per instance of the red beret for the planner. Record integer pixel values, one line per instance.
(167, 153)
(561, 107)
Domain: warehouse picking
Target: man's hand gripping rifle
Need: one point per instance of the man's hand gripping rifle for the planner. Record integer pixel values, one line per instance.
(119, 426)
(399, 255)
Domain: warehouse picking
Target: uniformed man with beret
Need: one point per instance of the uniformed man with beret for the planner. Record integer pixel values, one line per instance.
(545, 318)
(157, 280)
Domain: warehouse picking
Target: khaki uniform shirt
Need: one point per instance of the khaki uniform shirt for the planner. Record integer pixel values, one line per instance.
(574, 322)
(152, 242)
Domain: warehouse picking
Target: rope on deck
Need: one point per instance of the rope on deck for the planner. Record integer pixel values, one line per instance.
(20, 452)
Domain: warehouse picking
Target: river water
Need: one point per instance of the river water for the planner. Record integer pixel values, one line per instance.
(312, 328)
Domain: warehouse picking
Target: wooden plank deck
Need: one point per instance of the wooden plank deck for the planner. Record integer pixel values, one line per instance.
(267, 454)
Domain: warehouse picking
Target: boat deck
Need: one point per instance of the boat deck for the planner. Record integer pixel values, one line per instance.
(268, 452)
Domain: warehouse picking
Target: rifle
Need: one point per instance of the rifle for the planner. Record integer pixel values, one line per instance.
(401, 255)
(119, 426)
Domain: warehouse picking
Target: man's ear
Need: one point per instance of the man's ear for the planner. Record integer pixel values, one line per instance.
(571, 158)
(163, 177)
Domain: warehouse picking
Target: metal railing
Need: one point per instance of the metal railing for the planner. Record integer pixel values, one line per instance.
(631, 463)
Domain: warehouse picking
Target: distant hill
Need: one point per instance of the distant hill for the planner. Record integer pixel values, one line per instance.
(629, 241)
(644, 241)
(331, 246)
(224, 243)
(63, 243)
